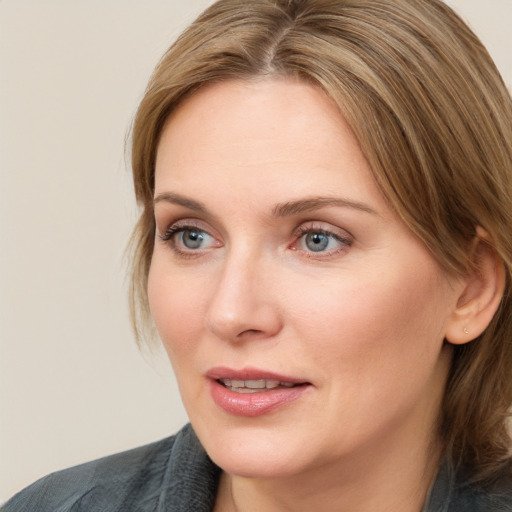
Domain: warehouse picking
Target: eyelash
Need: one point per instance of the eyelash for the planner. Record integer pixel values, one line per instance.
(174, 229)
(169, 238)
(345, 241)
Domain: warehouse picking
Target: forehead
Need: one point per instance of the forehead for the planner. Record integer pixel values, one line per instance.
(255, 112)
(248, 133)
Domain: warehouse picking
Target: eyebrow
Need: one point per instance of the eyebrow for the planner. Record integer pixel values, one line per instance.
(315, 203)
(286, 209)
(191, 204)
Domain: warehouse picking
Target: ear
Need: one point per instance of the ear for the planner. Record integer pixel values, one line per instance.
(483, 289)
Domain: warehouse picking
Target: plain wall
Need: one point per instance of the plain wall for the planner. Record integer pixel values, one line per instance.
(73, 385)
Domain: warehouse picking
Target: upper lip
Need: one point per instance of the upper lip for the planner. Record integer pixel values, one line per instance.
(222, 372)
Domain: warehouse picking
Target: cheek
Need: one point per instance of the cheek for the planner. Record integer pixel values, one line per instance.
(176, 305)
(377, 345)
(388, 318)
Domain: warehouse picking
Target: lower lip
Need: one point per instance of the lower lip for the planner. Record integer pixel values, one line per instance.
(254, 404)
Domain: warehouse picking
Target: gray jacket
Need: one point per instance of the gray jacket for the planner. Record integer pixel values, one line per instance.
(176, 475)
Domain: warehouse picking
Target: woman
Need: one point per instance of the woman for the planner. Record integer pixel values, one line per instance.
(325, 250)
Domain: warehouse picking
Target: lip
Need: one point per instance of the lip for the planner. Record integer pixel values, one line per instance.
(258, 403)
(223, 372)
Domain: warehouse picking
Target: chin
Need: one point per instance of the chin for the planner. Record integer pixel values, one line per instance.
(254, 465)
(254, 453)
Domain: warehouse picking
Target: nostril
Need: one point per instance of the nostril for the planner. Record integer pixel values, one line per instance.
(249, 331)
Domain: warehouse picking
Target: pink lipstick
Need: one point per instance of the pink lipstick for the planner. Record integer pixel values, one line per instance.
(251, 392)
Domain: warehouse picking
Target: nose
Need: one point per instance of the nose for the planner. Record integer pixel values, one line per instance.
(243, 305)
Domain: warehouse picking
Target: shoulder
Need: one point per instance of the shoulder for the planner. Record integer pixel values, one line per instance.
(91, 482)
(492, 497)
(454, 491)
(138, 479)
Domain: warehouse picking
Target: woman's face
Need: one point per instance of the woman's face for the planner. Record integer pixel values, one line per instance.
(304, 321)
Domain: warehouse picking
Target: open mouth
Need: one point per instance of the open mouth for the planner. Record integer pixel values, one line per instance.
(256, 386)
(252, 392)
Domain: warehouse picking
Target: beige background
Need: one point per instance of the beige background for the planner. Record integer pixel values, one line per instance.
(73, 386)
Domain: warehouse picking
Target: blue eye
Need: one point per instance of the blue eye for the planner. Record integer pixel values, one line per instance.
(321, 241)
(193, 238)
(316, 242)
(188, 238)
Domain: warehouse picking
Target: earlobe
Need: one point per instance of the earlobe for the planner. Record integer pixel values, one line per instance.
(481, 295)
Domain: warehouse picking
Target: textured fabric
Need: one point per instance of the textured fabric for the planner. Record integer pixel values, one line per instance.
(453, 492)
(172, 475)
(176, 475)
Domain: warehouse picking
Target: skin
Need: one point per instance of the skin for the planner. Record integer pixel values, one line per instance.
(363, 321)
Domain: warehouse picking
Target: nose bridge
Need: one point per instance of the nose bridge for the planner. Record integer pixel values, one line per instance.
(242, 304)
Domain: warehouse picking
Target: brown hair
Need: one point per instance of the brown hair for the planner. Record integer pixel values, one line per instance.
(434, 120)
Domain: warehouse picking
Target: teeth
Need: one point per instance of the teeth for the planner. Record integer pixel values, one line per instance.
(253, 386)
(245, 390)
